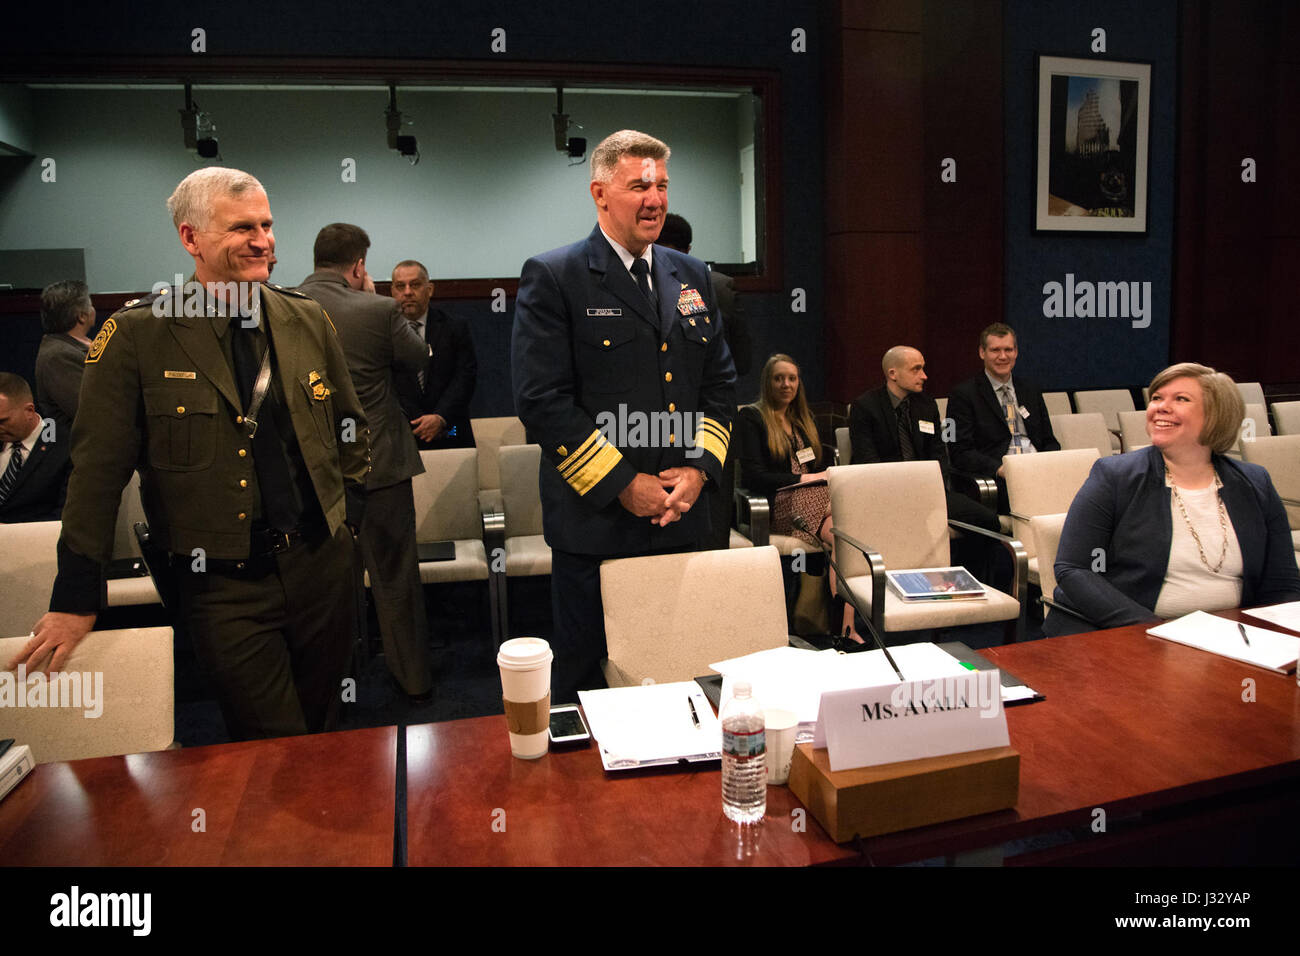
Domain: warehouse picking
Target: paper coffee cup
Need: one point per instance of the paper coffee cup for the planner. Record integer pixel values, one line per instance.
(525, 664)
(780, 729)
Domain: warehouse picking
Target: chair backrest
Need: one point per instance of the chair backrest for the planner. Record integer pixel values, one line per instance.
(129, 512)
(489, 435)
(520, 496)
(1109, 401)
(1287, 417)
(1045, 532)
(1058, 403)
(446, 496)
(898, 508)
(1044, 484)
(28, 565)
(1252, 393)
(116, 696)
(1255, 424)
(1146, 395)
(1133, 429)
(669, 616)
(1280, 455)
(844, 444)
(943, 407)
(1085, 430)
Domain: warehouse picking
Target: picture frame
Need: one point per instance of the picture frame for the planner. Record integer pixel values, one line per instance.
(1094, 125)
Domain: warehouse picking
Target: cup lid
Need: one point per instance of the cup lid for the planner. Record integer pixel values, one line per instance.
(524, 652)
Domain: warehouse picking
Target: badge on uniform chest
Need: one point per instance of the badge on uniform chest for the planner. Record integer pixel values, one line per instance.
(690, 302)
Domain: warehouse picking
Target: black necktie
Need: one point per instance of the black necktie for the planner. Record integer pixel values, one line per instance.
(10, 477)
(905, 432)
(641, 269)
(281, 507)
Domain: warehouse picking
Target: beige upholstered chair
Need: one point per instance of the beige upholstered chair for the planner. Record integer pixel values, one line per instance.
(1058, 403)
(1109, 402)
(1252, 393)
(1253, 427)
(1286, 415)
(1280, 455)
(668, 617)
(1045, 532)
(130, 590)
(1085, 430)
(28, 565)
(123, 676)
(1043, 484)
(894, 516)
(489, 435)
(526, 552)
(1133, 430)
(943, 407)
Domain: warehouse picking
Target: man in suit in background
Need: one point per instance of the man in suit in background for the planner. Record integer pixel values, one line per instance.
(379, 344)
(436, 396)
(677, 234)
(898, 422)
(996, 416)
(34, 465)
(614, 328)
(67, 316)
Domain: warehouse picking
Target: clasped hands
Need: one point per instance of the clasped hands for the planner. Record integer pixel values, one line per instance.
(663, 499)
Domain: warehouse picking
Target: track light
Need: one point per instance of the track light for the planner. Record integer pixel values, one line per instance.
(200, 131)
(573, 146)
(405, 145)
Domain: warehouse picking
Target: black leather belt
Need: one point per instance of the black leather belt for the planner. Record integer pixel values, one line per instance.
(270, 541)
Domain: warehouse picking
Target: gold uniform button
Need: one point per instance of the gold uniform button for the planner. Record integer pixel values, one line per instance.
(706, 322)
(672, 439)
(243, 482)
(704, 338)
(668, 376)
(242, 516)
(240, 566)
(607, 343)
(243, 453)
(664, 347)
(239, 419)
(672, 407)
(562, 451)
(180, 409)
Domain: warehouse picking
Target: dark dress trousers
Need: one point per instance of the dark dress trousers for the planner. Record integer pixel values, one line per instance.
(38, 493)
(271, 620)
(379, 343)
(450, 375)
(59, 364)
(1123, 513)
(591, 358)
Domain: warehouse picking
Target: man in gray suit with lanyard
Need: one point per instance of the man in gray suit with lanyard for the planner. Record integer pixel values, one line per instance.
(377, 342)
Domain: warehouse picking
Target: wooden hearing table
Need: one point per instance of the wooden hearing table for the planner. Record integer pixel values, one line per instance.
(1164, 739)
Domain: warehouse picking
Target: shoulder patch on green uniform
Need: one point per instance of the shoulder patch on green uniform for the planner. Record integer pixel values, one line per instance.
(101, 341)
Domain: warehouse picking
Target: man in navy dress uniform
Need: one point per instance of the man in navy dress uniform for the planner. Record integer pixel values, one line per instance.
(623, 377)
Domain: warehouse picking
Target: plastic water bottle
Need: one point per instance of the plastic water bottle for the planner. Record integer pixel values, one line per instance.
(744, 757)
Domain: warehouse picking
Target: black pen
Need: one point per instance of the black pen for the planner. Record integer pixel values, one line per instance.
(1242, 628)
(694, 716)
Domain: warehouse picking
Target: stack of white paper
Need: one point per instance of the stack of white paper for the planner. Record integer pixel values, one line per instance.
(1284, 615)
(651, 724)
(1268, 649)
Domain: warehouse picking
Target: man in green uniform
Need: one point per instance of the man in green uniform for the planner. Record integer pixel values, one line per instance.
(233, 399)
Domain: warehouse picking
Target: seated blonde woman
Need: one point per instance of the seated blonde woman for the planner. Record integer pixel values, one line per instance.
(779, 447)
(1175, 527)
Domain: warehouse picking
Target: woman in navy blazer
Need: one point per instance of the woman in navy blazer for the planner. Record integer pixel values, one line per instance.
(1114, 554)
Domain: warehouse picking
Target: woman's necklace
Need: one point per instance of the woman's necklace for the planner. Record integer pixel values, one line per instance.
(1223, 522)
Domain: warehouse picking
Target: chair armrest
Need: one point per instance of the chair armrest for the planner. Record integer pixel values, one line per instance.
(875, 561)
(1020, 572)
(753, 516)
(1289, 501)
(982, 490)
(494, 531)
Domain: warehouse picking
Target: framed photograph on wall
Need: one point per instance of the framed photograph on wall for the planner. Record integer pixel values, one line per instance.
(1094, 122)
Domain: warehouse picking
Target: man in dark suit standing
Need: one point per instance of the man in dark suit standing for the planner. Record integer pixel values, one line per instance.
(378, 343)
(67, 316)
(436, 396)
(621, 378)
(34, 464)
(996, 416)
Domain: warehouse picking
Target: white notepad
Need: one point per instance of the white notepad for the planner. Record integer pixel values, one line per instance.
(1268, 649)
(1284, 615)
(651, 725)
